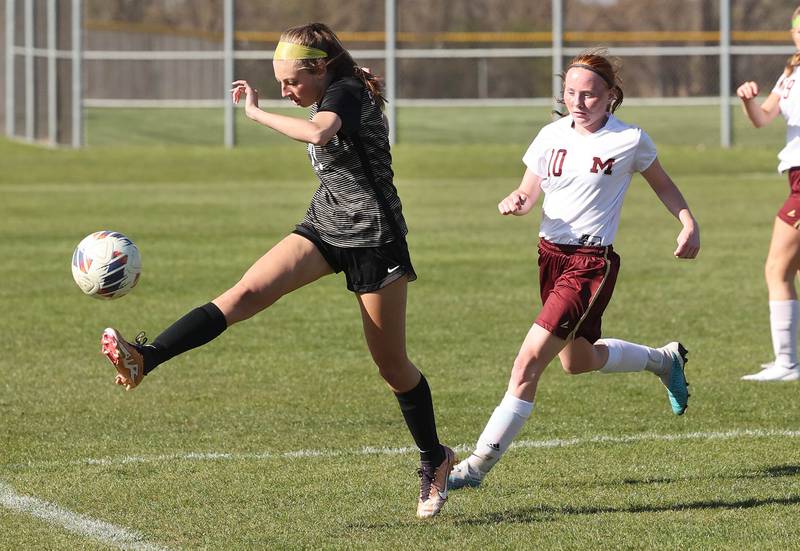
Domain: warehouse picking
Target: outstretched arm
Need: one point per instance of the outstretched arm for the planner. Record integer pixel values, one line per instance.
(318, 131)
(669, 194)
(521, 200)
(759, 115)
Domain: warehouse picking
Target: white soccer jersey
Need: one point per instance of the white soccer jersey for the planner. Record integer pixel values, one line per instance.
(585, 177)
(790, 109)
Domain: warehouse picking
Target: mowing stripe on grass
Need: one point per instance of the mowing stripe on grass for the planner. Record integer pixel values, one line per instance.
(553, 443)
(74, 522)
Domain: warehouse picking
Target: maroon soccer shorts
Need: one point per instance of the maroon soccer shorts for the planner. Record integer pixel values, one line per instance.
(790, 211)
(576, 284)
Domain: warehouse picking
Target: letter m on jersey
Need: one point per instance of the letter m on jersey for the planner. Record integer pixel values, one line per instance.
(598, 165)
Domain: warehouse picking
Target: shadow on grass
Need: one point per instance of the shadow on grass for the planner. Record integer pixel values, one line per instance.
(769, 472)
(782, 470)
(545, 513)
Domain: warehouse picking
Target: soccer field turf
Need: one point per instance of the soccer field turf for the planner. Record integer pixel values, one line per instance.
(280, 434)
(667, 125)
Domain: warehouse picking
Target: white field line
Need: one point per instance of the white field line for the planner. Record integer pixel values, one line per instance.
(126, 539)
(82, 525)
(323, 453)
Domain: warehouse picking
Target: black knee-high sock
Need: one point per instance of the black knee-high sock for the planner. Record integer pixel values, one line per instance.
(196, 328)
(417, 408)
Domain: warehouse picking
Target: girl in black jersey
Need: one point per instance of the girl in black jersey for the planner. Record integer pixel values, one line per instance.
(354, 224)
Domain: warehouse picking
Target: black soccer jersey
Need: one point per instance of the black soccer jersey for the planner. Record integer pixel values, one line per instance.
(352, 168)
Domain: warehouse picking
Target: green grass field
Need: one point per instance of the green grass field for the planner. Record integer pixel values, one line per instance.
(280, 434)
(424, 125)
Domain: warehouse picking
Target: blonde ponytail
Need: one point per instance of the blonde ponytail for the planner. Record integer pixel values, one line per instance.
(338, 62)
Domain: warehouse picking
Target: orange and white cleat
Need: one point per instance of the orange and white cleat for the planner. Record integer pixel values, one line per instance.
(124, 356)
(433, 485)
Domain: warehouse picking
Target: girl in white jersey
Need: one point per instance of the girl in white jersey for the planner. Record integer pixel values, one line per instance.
(783, 259)
(583, 163)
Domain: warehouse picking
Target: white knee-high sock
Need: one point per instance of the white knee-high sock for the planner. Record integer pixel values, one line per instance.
(783, 316)
(624, 356)
(504, 424)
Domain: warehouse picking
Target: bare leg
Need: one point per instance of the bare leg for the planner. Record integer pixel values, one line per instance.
(783, 261)
(581, 356)
(780, 270)
(537, 351)
(384, 316)
(292, 263)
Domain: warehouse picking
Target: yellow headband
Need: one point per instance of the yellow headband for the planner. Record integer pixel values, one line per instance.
(796, 22)
(291, 51)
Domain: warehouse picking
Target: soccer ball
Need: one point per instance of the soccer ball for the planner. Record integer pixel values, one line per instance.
(106, 265)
